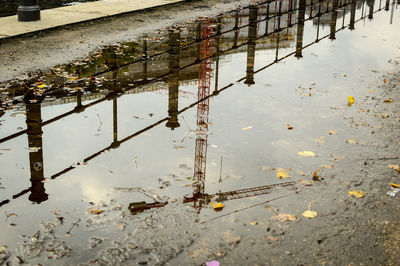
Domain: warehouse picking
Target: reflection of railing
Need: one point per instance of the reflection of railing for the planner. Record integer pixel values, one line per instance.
(116, 143)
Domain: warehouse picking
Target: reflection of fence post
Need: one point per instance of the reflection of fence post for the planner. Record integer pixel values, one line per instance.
(218, 44)
(387, 5)
(173, 83)
(251, 46)
(352, 14)
(34, 132)
(371, 9)
(300, 28)
(28, 11)
(332, 35)
(236, 28)
(145, 57)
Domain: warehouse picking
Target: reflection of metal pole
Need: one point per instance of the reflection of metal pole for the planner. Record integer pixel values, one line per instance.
(267, 20)
(352, 14)
(387, 5)
(300, 28)
(371, 9)
(236, 28)
(251, 46)
(173, 83)
(391, 12)
(34, 132)
(28, 11)
(216, 92)
(145, 56)
(332, 35)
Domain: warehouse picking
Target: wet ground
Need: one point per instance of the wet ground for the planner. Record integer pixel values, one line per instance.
(124, 156)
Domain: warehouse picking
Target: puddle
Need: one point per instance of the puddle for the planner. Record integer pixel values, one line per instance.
(116, 158)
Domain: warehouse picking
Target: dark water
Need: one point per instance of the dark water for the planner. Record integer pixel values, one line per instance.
(116, 159)
(9, 7)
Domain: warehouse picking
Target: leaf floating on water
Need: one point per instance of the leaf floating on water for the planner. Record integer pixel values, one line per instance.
(309, 214)
(306, 153)
(388, 101)
(332, 132)
(357, 193)
(352, 141)
(330, 166)
(395, 167)
(385, 80)
(217, 206)
(395, 185)
(289, 127)
(281, 174)
(283, 217)
(95, 211)
(42, 86)
(351, 99)
(247, 128)
(316, 176)
(271, 238)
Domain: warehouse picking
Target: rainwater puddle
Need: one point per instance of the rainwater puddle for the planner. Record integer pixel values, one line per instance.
(118, 158)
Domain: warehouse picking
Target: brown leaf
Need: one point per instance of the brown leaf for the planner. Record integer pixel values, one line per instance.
(289, 127)
(316, 176)
(271, 238)
(305, 183)
(283, 217)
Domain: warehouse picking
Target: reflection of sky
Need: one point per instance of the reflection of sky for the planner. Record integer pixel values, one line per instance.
(266, 106)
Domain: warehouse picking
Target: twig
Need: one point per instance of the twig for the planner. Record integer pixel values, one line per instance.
(101, 123)
(74, 224)
(384, 158)
(245, 208)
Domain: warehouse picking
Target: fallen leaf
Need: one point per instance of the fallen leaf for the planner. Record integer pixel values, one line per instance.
(282, 174)
(388, 101)
(352, 141)
(351, 99)
(357, 193)
(266, 168)
(271, 238)
(283, 217)
(395, 167)
(385, 80)
(253, 223)
(306, 153)
(316, 176)
(42, 86)
(328, 166)
(395, 185)
(289, 127)
(217, 206)
(305, 183)
(95, 211)
(309, 214)
(247, 128)
(332, 132)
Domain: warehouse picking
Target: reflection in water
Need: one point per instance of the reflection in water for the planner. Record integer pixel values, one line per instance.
(34, 132)
(187, 55)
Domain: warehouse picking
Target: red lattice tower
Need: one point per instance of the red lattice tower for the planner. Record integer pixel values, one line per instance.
(205, 69)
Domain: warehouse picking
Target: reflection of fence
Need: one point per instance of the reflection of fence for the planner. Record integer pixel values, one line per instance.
(250, 71)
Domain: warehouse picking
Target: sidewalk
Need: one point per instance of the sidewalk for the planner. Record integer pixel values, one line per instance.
(56, 17)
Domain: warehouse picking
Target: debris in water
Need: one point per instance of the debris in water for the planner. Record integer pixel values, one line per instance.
(289, 127)
(332, 132)
(357, 193)
(388, 101)
(351, 99)
(247, 128)
(395, 167)
(283, 217)
(392, 192)
(395, 185)
(309, 214)
(306, 153)
(217, 206)
(281, 174)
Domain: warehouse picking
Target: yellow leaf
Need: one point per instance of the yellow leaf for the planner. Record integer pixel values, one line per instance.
(289, 127)
(351, 99)
(395, 167)
(388, 101)
(330, 166)
(395, 185)
(306, 153)
(282, 174)
(309, 214)
(283, 217)
(94, 211)
(247, 128)
(42, 86)
(316, 176)
(352, 141)
(357, 193)
(217, 206)
(332, 132)
(305, 183)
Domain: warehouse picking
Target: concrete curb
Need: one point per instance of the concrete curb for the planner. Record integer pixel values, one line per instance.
(69, 15)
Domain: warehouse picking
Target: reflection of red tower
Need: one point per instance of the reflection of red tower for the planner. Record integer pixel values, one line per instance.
(205, 52)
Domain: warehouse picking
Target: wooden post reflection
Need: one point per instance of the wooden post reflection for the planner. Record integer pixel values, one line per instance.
(352, 14)
(173, 81)
(251, 46)
(371, 9)
(332, 35)
(300, 29)
(34, 132)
